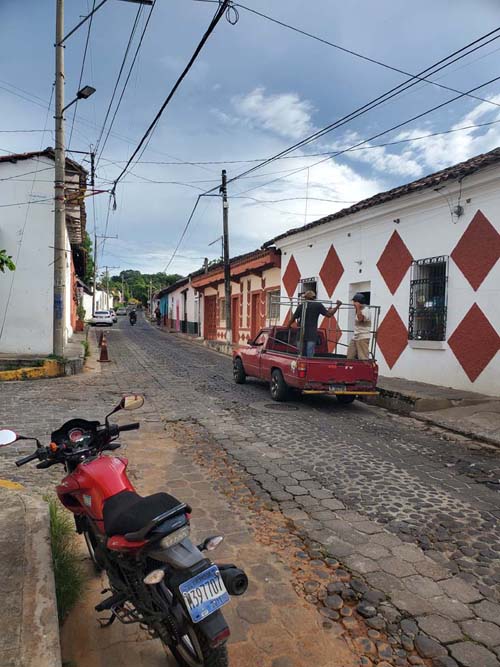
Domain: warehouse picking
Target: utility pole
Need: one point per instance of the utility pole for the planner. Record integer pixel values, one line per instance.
(97, 236)
(227, 267)
(59, 202)
(94, 287)
(106, 268)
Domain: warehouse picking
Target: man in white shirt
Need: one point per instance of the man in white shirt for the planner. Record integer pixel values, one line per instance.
(360, 343)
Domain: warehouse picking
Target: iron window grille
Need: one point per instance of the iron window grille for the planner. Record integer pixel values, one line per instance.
(273, 305)
(428, 299)
(222, 311)
(307, 284)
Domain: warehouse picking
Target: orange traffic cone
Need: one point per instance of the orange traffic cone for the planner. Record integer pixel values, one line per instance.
(104, 349)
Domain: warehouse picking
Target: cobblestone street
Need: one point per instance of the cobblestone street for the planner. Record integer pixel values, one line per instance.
(404, 517)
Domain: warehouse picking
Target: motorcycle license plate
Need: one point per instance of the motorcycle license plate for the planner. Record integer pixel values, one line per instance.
(204, 593)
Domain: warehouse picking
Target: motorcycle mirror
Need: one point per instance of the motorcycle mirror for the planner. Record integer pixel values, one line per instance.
(132, 402)
(7, 437)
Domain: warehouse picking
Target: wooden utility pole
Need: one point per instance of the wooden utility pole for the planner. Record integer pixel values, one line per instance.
(59, 195)
(225, 257)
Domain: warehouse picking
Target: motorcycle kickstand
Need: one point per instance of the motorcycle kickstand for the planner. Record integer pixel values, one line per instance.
(106, 622)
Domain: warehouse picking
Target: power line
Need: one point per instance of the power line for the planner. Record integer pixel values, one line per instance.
(183, 233)
(393, 92)
(356, 54)
(330, 156)
(82, 70)
(375, 136)
(303, 155)
(127, 79)
(136, 54)
(217, 17)
(120, 72)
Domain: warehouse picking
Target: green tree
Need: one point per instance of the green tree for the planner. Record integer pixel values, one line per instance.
(88, 278)
(136, 284)
(6, 261)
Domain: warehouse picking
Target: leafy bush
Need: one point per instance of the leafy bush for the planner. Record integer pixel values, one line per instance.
(68, 572)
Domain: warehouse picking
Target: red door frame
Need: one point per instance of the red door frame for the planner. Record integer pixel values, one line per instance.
(235, 318)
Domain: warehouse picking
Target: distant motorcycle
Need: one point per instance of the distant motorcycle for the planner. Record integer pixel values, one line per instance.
(133, 317)
(157, 576)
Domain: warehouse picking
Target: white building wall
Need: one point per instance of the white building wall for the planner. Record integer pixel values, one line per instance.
(428, 228)
(27, 233)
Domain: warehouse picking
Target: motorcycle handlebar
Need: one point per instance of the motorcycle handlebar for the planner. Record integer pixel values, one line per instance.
(26, 459)
(129, 427)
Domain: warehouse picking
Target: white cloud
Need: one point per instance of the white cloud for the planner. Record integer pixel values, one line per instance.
(285, 114)
(431, 153)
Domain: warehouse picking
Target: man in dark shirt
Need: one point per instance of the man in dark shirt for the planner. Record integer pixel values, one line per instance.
(313, 309)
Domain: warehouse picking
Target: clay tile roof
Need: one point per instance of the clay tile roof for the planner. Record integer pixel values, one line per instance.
(459, 170)
(47, 152)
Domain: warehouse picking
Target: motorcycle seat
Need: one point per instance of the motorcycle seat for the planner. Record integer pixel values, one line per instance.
(128, 512)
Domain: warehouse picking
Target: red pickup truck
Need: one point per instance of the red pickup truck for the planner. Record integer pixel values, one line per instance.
(273, 356)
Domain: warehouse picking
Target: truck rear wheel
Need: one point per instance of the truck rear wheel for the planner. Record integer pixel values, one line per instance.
(279, 388)
(239, 374)
(345, 399)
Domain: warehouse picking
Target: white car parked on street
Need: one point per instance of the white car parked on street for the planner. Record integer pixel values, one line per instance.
(102, 318)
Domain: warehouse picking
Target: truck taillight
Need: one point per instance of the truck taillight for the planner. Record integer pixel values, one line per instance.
(301, 369)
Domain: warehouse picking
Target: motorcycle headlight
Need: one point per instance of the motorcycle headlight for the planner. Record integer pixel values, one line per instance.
(175, 537)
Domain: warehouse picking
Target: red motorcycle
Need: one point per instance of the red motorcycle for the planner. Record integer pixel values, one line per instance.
(157, 576)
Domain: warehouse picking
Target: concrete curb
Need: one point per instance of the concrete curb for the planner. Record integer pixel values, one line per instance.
(40, 644)
(457, 428)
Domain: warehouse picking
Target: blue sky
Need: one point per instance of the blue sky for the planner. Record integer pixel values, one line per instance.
(256, 89)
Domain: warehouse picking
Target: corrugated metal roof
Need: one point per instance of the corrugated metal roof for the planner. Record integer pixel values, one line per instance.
(457, 171)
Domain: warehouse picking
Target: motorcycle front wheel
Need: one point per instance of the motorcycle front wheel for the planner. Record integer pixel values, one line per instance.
(193, 650)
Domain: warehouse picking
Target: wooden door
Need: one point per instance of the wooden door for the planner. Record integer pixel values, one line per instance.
(235, 318)
(209, 317)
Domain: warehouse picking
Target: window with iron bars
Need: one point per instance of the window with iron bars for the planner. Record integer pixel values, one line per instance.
(273, 305)
(428, 299)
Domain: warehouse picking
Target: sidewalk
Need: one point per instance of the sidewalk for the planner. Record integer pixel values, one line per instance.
(464, 412)
(271, 626)
(29, 633)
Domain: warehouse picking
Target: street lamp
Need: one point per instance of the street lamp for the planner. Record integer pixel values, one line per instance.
(83, 94)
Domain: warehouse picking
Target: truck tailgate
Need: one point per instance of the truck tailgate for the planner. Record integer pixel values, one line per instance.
(340, 371)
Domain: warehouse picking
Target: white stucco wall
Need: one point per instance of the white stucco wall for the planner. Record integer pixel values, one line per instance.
(27, 232)
(428, 229)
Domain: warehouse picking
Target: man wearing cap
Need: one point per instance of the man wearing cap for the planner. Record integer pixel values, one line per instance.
(313, 309)
(360, 343)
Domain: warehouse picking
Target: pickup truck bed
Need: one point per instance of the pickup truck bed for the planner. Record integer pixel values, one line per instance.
(273, 356)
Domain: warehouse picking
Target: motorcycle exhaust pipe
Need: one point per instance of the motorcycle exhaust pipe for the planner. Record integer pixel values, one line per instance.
(235, 580)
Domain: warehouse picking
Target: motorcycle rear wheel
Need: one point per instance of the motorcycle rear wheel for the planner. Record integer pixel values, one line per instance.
(195, 651)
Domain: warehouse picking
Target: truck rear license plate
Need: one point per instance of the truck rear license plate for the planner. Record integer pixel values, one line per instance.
(204, 593)
(337, 387)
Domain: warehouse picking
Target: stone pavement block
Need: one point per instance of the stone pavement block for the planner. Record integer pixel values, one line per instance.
(482, 631)
(361, 564)
(374, 551)
(423, 586)
(385, 582)
(440, 628)
(488, 611)
(386, 539)
(450, 608)
(369, 527)
(332, 504)
(397, 567)
(473, 655)
(428, 648)
(409, 553)
(410, 603)
(460, 590)
(429, 568)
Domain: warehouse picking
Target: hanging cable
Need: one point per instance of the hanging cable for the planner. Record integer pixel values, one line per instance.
(217, 17)
(138, 48)
(120, 72)
(358, 55)
(393, 92)
(82, 71)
